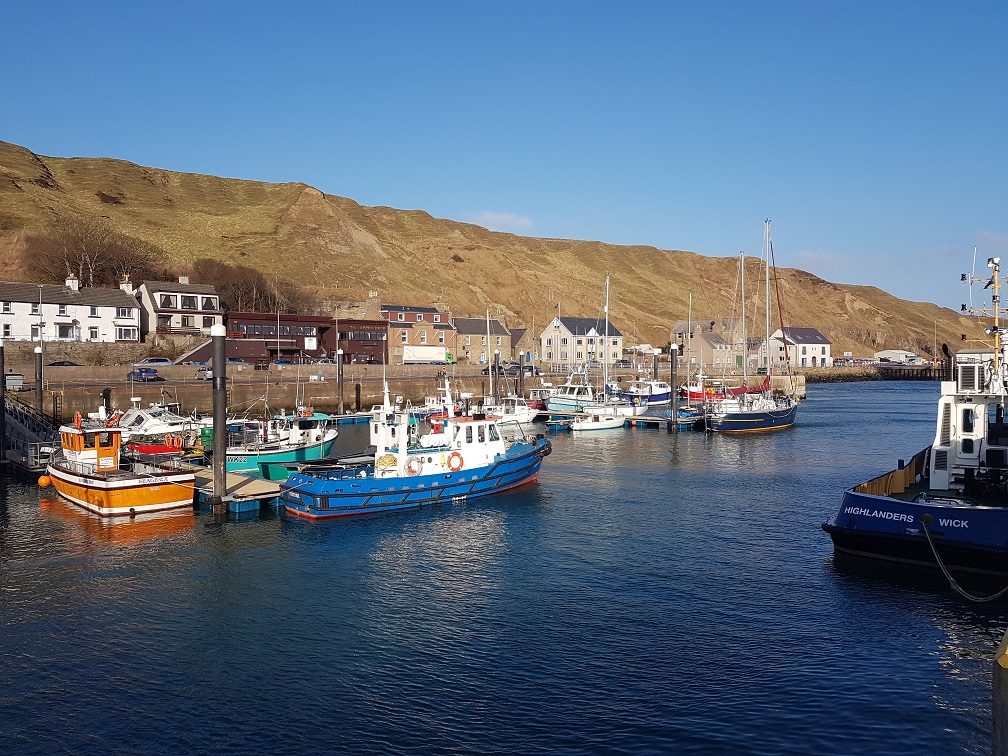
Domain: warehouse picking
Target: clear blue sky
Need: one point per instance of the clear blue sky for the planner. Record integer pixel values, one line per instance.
(872, 134)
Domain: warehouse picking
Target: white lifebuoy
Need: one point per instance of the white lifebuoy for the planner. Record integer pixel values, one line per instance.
(414, 465)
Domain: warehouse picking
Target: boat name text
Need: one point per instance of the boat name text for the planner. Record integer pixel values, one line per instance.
(865, 512)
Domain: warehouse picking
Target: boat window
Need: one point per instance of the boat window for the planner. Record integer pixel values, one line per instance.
(481, 433)
(492, 430)
(967, 420)
(104, 440)
(468, 434)
(89, 440)
(305, 424)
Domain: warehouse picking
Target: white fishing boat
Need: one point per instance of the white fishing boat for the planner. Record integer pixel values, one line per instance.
(592, 421)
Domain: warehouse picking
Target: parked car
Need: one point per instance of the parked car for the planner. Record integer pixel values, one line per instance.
(63, 363)
(143, 374)
(205, 373)
(623, 364)
(284, 362)
(154, 362)
(236, 361)
(325, 361)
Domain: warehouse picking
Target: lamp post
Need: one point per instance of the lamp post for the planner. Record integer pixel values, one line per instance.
(41, 326)
(339, 377)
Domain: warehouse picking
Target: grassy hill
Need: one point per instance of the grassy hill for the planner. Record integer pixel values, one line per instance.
(337, 248)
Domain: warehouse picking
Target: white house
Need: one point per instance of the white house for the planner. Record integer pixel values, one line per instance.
(50, 312)
(806, 347)
(570, 342)
(181, 308)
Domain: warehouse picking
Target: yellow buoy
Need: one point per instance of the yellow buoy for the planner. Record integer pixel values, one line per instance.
(45, 481)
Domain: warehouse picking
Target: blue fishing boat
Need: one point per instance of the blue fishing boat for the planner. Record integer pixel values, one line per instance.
(264, 447)
(462, 457)
(648, 393)
(947, 510)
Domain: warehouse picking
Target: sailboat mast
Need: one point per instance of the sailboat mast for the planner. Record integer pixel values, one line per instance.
(605, 341)
(745, 375)
(766, 265)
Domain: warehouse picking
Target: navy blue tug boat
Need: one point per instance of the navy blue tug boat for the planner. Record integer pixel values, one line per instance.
(947, 510)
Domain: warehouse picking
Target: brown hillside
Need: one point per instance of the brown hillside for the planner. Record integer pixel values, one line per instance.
(340, 249)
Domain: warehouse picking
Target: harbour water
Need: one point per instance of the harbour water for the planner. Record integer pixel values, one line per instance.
(650, 594)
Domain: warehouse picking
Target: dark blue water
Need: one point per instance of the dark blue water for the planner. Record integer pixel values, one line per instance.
(651, 594)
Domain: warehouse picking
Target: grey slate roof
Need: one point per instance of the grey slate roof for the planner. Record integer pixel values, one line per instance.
(581, 326)
(59, 294)
(805, 336)
(478, 327)
(174, 286)
(517, 334)
(407, 308)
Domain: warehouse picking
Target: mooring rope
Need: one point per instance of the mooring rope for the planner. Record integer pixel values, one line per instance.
(955, 586)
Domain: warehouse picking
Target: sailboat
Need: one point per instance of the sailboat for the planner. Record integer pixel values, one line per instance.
(760, 411)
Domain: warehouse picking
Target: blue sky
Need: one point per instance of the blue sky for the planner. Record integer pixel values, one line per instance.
(872, 134)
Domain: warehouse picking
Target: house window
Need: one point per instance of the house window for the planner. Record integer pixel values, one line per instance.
(402, 316)
(803, 352)
(65, 331)
(549, 355)
(124, 312)
(563, 355)
(35, 308)
(7, 330)
(243, 328)
(437, 318)
(483, 340)
(209, 303)
(164, 321)
(93, 333)
(549, 342)
(563, 341)
(7, 307)
(187, 321)
(168, 301)
(62, 310)
(126, 334)
(188, 302)
(824, 350)
(403, 336)
(423, 337)
(258, 330)
(419, 317)
(498, 341)
(441, 337)
(615, 343)
(580, 355)
(468, 340)
(94, 312)
(34, 333)
(580, 342)
(208, 321)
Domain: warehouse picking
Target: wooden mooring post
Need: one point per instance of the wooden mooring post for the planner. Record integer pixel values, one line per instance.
(999, 693)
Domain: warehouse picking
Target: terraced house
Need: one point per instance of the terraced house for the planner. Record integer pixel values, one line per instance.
(568, 343)
(50, 312)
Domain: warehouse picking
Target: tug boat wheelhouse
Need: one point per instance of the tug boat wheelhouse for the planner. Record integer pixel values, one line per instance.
(89, 471)
(948, 508)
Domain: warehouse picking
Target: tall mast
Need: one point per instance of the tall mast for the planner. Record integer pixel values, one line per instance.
(745, 374)
(605, 341)
(766, 341)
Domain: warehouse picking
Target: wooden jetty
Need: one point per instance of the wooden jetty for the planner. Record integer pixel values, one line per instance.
(892, 372)
(243, 493)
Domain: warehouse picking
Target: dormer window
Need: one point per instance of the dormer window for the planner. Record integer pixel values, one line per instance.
(437, 318)
(419, 317)
(168, 301)
(402, 316)
(188, 302)
(209, 303)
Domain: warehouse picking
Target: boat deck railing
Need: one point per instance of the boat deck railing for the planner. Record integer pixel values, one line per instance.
(897, 481)
(125, 468)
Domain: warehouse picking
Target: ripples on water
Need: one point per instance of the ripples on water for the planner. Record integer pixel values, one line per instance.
(651, 594)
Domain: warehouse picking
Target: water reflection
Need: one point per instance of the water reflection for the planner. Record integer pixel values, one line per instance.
(81, 526)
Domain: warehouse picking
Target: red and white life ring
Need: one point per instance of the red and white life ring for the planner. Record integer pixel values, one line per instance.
(414, 465)
(454, 461)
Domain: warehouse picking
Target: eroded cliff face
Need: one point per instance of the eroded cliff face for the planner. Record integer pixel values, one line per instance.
(340, 249)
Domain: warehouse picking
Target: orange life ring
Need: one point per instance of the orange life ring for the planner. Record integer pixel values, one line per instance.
(78, 420)
(305, 413)
(454, 461)
(113, 419)
(414, 465)
(169, 440)
(178, 441)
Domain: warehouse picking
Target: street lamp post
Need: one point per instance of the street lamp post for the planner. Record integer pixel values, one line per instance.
(41, 327)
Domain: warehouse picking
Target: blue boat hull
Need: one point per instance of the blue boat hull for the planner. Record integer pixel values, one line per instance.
(971, 540)
(740, 422)
(270, 463)
(342, 493)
